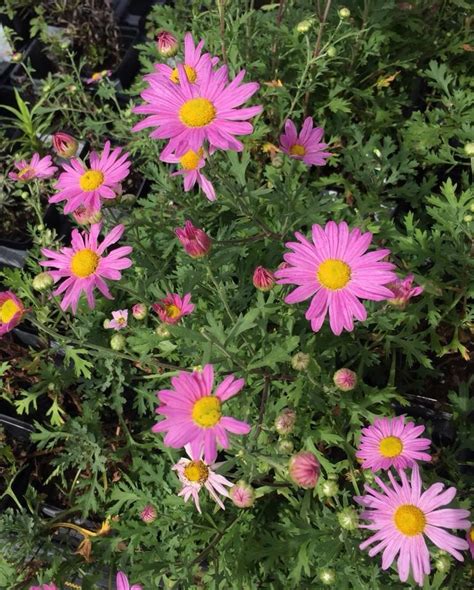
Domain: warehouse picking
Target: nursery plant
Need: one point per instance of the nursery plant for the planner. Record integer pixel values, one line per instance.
(245, 350)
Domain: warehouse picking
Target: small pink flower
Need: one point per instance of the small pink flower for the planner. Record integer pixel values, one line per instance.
(191, 164)
(304, 469)
(98, 76)
(194, 474)
(242, 495)
(11, 311)
(64, 144)
(403, 291)
(148, 514)
(172, 308)
(82, 267)
(122, 583)
(389, 442)
(87, 215)
(195, 241)
(263, 279)
(119, 321)
(345, 379)
(167, 44)
(50, 586)
(139, 311)
(470, 540)
(306, 146)
(37, 168)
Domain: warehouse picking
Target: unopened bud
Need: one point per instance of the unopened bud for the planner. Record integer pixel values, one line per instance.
(300, 361)
(117, 342)
(286, 447)
(304, 26)
(345, 379)
(469, 149)
(167, 44)
(162, 331)
(348, 519)
(443, 564)
(344, 12)
(332, 51)
(329, 488)
(139, 311)
(242, 494)
(42, 281)
(285, 421)
(327, 576)
(148, 514)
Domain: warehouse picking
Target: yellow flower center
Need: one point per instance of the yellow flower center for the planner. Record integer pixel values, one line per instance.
(26, 171)
(90, 180)
(409, 520)
(333, 274)
(471, 534)
(207, 411)
(190, 160)
(196, 471)
(96, 75)
(297, 150)
(8, 309)
(172, 311)
(391, 446)
(191, 75)
(84, 263)
(121, 321)
(197, 112)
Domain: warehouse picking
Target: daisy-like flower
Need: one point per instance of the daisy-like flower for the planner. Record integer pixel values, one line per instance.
(37, 167)
(173, 307)
(389, 442)
(194, 474)
(191, 164)
(193, 414)
(194, 63)
(122, 583)
(190, 114)
(84, 267)
(82, 186)
(307, 145)
(403, 291)
(401, 516)
(97, 77)
(119, 321)
(11, 311)
(470, 540)
(335, 271)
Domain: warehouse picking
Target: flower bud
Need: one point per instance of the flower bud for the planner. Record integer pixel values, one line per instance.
(263, 279)
(285, 421)
(167, 44)
(304, 469)
(344, 12)
(139, 311)
(117, 342)
(162, 331)
(329, 488)
(327, 576)
(195, 241)
(277, 161)
(242, 494)
(86, 215)
(332, 51)
(42, 281)
(148, 514)
(345, 379)
(469, 149)
(64, 145)
(304, 26)
(285, 447)
(348, 519)
(300, 361)
(17, 56)
(443, 563)
(467, 218)
(403, 291)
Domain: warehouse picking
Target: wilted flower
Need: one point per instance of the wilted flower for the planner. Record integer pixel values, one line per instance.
(87, 215)
(173, 307)
(139, 311)
(42, 281)
(263, 279)
(11, 311)
(98, 76)
(64, 144)
(119, 321)
(148, 514)
(167, 44)
(300, 361)
(242, 494)
(329, 488)
(304, 469)
(37, 168)
(285, 421)
(117, 342)
(345, 379)
(195, 241)
(348, 519)
(403, 291)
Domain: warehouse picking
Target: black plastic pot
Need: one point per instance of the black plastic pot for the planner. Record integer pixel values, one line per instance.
(20, 22)
(138, 11)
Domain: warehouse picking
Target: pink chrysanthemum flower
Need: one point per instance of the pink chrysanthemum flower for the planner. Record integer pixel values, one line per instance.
(307, 145)
(403, 291)
(194, 414)
(122, 583)
(194, 474)
(11, 311)
(84, 267)
(191, 164)
(335, 271)
(87, 215)
(37, 168)
(194, 63)
(401, 515)
(172, 308)
(195, 241)
(389, 442)
(81, 186)
(97, 77)
(189, 114)
(119, 321)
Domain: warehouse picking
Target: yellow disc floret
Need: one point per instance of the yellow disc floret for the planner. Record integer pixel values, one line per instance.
(297, 150)
(390, 446)
(91, 180)
(84, 263)
(197, 112)
(26, 172)
(196, 471)
(409, 520)
(191, 74)
(172, 311)
(190, 160)
(8, 310)
(207, 411)
(333, 274)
